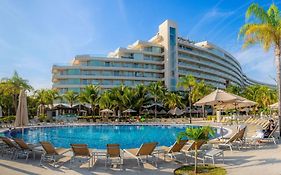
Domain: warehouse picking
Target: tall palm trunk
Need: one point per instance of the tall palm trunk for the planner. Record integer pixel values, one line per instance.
(195, 155)
(278, 67)
(155, 108)
(190, 116)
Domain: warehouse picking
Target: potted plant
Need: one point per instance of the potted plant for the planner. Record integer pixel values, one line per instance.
(197, 134)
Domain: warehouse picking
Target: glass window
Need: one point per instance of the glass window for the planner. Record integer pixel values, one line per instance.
(96, 82)
(106, 82)
(138, 56)
(117, 82)
(116, 73)
(107, 64)
(73, 72)
(107, 73)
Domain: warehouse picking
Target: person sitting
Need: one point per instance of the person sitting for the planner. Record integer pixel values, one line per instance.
(269, 128)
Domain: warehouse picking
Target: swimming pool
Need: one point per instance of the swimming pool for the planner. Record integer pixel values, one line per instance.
(97, 136)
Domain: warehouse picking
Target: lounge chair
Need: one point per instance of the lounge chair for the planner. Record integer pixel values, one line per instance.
(25, 149)
(11, 147)
(176, 148)
(81, 151)
(271, 136)
(189, 150)
(213, 154)
(51, 153)
(113, 155)
(236, 139)
(145, 150)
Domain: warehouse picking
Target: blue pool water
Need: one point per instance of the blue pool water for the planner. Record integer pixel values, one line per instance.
(97, 136)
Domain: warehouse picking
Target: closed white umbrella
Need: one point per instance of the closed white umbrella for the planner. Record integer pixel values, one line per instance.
(22, 113)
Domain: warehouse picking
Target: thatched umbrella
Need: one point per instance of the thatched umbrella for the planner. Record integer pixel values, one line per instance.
(176, 111)
(129, 111)
(108, 111)
(22, 113)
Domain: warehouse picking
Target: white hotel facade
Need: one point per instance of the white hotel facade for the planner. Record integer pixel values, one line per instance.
(165, 57)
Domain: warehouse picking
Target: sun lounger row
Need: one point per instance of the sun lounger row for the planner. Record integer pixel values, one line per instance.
(113, 155)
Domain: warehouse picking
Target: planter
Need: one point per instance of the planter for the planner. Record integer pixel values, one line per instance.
(201, 170)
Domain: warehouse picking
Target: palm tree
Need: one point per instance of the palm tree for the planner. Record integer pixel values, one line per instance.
(173, 100)
(51, 96)
(71, 97)
(188, 82)
(235, 89)
(116, 95)
(141, 97)
(265, 29)
(197, 134)
(90, 95)
(42, 100)
(14, 85)
(157, 91)
(105, 101)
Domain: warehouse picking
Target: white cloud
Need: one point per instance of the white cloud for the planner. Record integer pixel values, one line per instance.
(257, 64)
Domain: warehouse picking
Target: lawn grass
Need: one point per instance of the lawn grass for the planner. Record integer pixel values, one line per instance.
(201, 170)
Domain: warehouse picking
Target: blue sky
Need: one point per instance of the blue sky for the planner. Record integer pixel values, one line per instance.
(35, 34)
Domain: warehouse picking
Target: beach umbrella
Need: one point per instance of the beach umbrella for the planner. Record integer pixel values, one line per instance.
(162, 112)
(153, 105)
(241, 103)
(217, 97)
(1, 112)
(22, 114)
(175, 111)
(106, 111)
(129, 111)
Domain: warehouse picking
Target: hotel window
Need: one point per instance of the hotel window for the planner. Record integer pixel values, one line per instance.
(116, 82)
(116, 73)
(107, 64)
(96, 63)
(128, 83)
(107, 73)
(73, 72)
(138, 56)
(84, 82)
(106, 82)
(96, 82)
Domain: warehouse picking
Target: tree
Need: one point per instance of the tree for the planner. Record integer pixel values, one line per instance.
(265, 29)
(91, 96)
(173, 100)
(156, 91)
(41, 96)
(197, 134)
(71, 97)
(13, 86)
(141, 97)
(188, 82)
(105, 101)
(235, 89)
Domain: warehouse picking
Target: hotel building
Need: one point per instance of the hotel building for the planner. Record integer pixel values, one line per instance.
(165, 57)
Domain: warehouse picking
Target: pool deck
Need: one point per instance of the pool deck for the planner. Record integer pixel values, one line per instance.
(260, 161)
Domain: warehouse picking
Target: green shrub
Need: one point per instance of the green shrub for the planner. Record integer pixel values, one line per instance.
(7, 118)
(42, 118)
